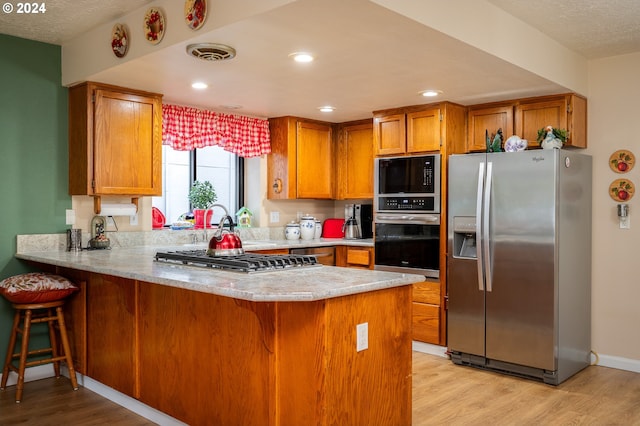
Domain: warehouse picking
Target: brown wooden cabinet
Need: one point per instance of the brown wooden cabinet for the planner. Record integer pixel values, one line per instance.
(426, 325)
(112, 332)
(301, 161)
(115, 141)
(415, 129)
(488, 118)
(354, 160)
(355, 257)
(568, 111)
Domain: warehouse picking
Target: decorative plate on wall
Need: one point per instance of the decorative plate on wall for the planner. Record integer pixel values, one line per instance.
(622, 190)
(119, 40)
(195, 13)
(153, 25)
(622, 161)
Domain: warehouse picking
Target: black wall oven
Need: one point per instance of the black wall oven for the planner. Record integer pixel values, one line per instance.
(408, 243)
(407, 214)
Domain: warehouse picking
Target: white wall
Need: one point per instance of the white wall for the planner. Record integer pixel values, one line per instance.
(614, 123)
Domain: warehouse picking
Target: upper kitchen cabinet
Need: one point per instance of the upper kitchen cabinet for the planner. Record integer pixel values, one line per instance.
(412, 130)
(115, 141)
(354, 160)
(488, 118)
(301, 161)
(567, 111)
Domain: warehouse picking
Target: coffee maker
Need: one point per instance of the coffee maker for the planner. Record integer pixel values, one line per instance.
(358, 221)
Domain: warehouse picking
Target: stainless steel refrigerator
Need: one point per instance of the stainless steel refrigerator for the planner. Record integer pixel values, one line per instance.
(519, 262)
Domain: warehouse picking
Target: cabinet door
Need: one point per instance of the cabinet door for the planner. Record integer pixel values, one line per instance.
(112, 331)
(532, 116)
(489, 120)
(389, 134)
(127, 151)
(355, 162)
(314, 172)
(423, 131)
(426, 323)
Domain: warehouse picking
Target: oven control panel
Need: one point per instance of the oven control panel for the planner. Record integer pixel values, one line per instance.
(420, 204)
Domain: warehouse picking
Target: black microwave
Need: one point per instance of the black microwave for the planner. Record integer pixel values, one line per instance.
(408, 183)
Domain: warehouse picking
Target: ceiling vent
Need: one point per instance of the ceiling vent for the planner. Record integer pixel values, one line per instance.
(211, 51)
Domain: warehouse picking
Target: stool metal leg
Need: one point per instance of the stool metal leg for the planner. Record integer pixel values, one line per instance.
(10, 349)
(67, 348)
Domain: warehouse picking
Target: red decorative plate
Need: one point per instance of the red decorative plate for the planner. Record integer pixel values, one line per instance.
(622, 161)
(119, 40)
(195, 13)
(622, 190)
(153, 25)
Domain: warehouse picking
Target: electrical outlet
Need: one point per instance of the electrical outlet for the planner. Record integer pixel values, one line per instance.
(133, 219)
(362, 339)
(625, 222)
(274, 217)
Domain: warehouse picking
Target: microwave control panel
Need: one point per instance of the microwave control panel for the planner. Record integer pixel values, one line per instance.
(421, 204)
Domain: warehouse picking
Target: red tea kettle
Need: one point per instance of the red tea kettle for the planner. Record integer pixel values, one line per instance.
(223, 242)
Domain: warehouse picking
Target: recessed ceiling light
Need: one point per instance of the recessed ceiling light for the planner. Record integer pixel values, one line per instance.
(430, 93)
(326, 108)
(231, 106)
(199, 85)
(301, 56)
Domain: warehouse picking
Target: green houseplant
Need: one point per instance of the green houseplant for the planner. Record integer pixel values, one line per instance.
(202, 195)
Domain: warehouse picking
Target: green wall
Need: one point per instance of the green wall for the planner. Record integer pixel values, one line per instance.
(33, 163)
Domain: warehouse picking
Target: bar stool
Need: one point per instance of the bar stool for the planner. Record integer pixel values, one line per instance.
(35, 312)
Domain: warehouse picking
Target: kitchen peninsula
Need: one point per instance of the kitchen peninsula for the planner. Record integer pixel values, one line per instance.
(217, 347)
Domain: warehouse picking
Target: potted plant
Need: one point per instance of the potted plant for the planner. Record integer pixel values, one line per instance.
(202, 195)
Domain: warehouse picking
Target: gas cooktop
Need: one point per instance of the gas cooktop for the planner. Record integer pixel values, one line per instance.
(238, 263)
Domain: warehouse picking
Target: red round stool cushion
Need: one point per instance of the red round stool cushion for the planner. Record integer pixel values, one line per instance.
(36, 287)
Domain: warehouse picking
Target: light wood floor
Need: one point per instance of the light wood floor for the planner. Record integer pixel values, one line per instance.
(443, 394)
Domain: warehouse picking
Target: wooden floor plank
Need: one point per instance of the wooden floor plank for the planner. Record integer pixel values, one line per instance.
(443, 394)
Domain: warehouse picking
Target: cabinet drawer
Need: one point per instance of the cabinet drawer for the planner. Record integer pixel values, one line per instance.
(427, 292)
(358, 257)
(426, 323)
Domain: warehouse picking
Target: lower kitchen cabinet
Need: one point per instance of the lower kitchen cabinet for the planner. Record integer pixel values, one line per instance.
(426, 313)
(112, 344)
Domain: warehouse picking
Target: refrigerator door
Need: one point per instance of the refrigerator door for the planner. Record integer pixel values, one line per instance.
(465, 317)
(521, 302)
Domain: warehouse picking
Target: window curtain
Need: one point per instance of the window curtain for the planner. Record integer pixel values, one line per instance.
(186, 128)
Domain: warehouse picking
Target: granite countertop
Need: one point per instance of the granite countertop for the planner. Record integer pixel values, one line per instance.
(296, 284)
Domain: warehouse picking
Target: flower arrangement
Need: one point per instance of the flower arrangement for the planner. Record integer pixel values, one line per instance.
(202, 195)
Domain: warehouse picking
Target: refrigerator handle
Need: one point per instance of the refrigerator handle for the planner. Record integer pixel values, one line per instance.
(485, 226)
(479, 239)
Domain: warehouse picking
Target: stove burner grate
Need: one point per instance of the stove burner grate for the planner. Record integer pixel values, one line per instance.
(240, 263)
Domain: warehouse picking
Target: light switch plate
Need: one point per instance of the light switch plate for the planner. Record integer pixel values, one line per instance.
(362, 333)
(70, 217)
(274, 217)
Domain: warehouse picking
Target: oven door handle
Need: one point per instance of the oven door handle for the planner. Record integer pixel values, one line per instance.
(409, 219)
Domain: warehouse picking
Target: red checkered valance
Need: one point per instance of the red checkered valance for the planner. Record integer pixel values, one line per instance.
(186, 128)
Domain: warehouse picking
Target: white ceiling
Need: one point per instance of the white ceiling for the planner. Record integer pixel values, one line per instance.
(379, 60)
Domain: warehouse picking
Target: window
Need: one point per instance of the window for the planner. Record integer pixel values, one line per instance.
(181, 168)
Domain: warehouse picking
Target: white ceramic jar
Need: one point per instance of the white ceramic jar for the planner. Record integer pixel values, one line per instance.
(318, 233)
(307, 227)
(292, 231)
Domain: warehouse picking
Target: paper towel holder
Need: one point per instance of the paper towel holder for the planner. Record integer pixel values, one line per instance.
(97, 203)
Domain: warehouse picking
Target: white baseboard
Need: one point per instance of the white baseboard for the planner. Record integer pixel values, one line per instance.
(610, 361)
(427, 348)
(617, 362)
(30, 374)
